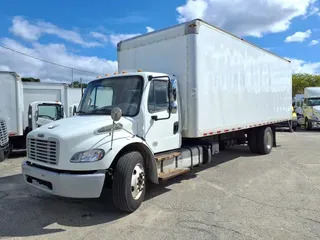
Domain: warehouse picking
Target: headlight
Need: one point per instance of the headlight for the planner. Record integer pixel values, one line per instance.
(92, 155)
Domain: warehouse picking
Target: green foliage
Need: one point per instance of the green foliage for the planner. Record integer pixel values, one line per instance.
(30, 79)
(302, 80)
(77, 84)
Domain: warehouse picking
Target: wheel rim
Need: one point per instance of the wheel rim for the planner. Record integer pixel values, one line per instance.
(137, 181)
(269, 140)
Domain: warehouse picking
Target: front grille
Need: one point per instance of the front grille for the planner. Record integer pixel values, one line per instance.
(4, 137)
(43, 150)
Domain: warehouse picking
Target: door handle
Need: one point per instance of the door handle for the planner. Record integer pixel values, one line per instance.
(175, 127)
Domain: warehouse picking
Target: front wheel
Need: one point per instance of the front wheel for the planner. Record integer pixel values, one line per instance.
(308, 124)
(2, 158)
(129, 184)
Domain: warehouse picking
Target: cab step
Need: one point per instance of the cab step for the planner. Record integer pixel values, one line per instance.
(172, 173)
(166, 156)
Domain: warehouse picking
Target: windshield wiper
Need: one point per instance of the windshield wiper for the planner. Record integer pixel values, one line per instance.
(101, 110)
(81, 112)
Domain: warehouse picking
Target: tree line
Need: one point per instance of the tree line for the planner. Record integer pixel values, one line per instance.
(299, 82)
(302, 80)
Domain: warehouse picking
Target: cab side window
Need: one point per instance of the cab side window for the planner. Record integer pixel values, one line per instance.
(158, 100)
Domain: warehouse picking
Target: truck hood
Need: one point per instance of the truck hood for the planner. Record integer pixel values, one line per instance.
(80, 127)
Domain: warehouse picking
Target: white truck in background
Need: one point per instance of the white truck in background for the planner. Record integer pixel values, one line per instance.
(311, 107)
(26, 106)
(201, 90)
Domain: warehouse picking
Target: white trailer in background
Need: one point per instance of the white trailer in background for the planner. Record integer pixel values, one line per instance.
(26, 106)
(200, 89)
(33, 91)
(11, 110)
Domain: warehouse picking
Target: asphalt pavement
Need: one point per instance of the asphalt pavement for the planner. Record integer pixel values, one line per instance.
(239, 196)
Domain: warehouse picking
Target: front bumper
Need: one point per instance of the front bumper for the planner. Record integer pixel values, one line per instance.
(315, 123)
(64, 184)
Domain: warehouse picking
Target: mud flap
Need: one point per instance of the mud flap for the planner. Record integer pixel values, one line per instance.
(274, 136)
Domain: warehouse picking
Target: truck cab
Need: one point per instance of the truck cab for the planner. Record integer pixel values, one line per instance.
(130, 115)
(43, 112)
(311, 107)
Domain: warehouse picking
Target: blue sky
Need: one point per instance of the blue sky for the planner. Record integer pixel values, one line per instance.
(83, 34)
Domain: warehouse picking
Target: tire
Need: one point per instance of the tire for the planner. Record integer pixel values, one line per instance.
(2, 156)
(308, 125)
(129, 165)
(295, 128)
(252, 141)
(265, 140)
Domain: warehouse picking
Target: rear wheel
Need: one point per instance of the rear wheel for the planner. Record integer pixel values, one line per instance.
(265, 140)
(252, 141)
(129, 182)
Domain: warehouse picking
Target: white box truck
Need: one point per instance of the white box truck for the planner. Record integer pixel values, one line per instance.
(200, 90)
(26, 106)
(311, 107)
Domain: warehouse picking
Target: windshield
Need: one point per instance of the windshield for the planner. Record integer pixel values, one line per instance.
(104, 94)
(50, 111)
(314, 101)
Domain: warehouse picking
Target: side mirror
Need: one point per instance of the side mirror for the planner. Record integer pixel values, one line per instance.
(62, 112)
(36, 115)
(74, 110)
(116, 114)
(173, 107)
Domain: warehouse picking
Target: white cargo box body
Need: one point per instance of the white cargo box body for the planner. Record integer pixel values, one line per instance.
(312, 92)
(33, 91)
(225, 83)
(11, 101)
(73, 95)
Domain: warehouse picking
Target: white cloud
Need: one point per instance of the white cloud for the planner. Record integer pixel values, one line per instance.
(301, 66)
(33, 31)
(313, 11)
(313, 42)
(115, 38)
(246, 17)
(299, 36)
(57, 53)
(149, 29)
(99, 36)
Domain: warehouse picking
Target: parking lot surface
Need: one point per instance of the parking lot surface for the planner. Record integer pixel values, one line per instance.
(238, 196)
